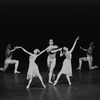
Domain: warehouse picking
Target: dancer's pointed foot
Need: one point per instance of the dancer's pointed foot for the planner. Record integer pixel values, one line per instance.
(16, 72)
(43, 85)
(1, 69)
(69, 83)
(78, 68)
(27, 87)
(50, 82)
(55, 82)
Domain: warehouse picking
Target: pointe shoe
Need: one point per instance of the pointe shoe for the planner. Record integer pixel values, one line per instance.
(16, 72)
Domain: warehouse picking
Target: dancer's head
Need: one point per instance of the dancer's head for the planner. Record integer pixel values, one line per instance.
(36, 51)
(65, 49)
(91, 44)
(9, 46)
(51, 42)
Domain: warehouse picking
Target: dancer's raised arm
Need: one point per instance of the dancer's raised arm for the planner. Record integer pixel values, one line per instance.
(74, 45)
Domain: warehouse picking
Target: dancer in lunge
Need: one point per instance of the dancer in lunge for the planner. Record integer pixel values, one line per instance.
(51, 59)
(33, 70)
(89, 57)
(66, 66)
(9, 59)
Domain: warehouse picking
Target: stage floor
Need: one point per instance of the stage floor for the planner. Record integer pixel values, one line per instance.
(85, 86)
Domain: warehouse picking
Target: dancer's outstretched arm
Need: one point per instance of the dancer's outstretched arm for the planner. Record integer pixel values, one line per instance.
(24, 50)
(42, 51)
(13, 49)
(83, 49)
(74, 45)
(51, 47)
(54, 51)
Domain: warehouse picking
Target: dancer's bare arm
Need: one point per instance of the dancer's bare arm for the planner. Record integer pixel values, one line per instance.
(24, 50)
(83, 49)
(42, 51)
(13, 49)
(71, 50)
(61, 54)
(54, 51)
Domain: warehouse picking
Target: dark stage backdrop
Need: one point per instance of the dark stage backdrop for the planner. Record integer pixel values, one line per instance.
(31, 23)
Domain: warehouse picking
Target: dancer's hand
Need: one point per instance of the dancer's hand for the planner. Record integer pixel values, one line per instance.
(60, 49)
(14, 48)
(77, 38)
(80, 47)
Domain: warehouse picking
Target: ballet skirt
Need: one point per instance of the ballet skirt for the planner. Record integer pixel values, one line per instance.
(33, 68)
(67, 67)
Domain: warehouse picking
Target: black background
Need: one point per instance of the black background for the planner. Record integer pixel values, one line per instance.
(31, 23)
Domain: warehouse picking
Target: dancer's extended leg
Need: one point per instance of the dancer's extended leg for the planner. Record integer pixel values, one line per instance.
(58, 76)
(30, 80)
(40, 77)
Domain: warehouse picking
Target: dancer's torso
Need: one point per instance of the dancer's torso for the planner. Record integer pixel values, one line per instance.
(68, 55)
(32, 58)
(8, 54)
(51, 55)
(90, 51)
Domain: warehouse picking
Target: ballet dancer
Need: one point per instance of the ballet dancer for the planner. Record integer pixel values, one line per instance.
(51, 59)
(67, 66)
(33, 70)
(9, 59)
(89, 57)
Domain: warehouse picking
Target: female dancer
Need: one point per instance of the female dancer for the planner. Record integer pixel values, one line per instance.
(66, 67)
(33, 70)
(51, 59)
(89, 57)
(8, 60)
